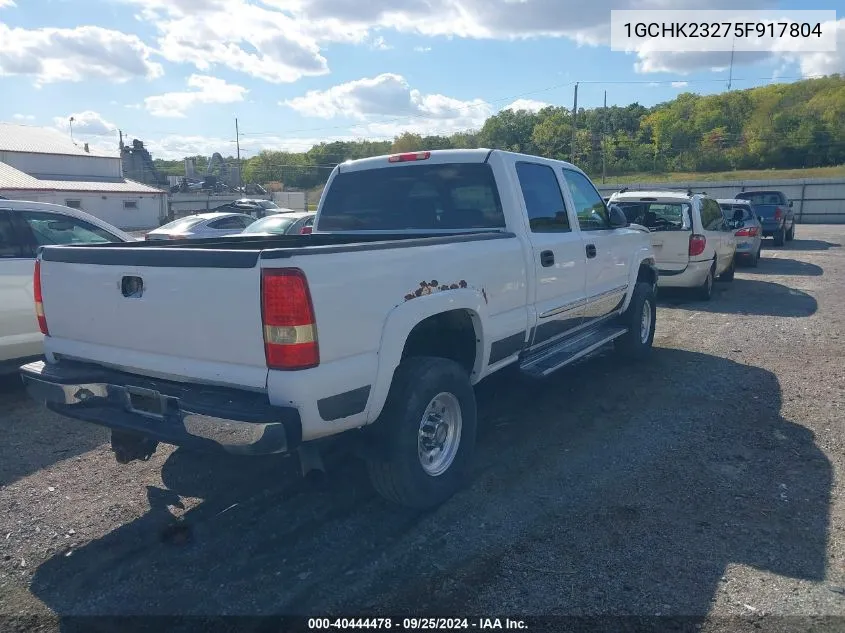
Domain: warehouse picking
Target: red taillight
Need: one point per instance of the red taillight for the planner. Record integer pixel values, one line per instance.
(306, 230)
(290, 332)
(748, 231)
(39, 300)
(411, 156)
(778, 213)
(696, 244)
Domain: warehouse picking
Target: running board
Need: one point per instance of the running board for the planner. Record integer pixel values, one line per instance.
(543, 362)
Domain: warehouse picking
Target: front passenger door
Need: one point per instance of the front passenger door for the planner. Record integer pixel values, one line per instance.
(713, 224)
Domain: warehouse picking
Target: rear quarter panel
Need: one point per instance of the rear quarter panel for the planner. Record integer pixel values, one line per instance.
(366, 303)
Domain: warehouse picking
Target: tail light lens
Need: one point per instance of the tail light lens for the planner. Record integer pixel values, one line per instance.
(306, 230)
(778, 213)
(696, 244)
(39, 300)
(290, 331)
(749, 231)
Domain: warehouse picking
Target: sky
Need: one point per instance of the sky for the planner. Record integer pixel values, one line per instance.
(177, 73)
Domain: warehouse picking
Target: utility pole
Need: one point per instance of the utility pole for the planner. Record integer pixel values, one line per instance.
(238, 145)
(731, 71)
(70, 122)
(604, 142)
(574, 124)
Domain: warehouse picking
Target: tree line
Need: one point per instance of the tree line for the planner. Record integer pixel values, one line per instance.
(779, 126)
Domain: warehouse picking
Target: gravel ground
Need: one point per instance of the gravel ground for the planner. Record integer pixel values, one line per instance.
(704, 483)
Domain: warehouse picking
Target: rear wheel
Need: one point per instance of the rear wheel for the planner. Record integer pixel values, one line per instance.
(755, 259)
(780, 236)
(790, 234)
(640, 319)
(705, 291)
(427, 433)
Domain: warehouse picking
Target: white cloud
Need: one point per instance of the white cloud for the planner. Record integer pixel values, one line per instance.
(236, 34)
(380, 44)
(85, 52)
(816, 63)
(389, 95)
(7, 3)
(422, 49)
(280, 40)
(686, 62)
(87, 123)
(208, 90)
(530, 105)
(23, 117)
(680, 84)
(174, 147)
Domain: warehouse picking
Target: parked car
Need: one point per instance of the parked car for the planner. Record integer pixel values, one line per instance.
(426, 272)
(775, 212)
(747, 229)
(693, 245)
(202, 225)
(296, 222)
(24, 226)
(257, 208)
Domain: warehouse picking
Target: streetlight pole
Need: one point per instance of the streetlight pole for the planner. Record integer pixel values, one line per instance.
(238, 145)
(574, 124)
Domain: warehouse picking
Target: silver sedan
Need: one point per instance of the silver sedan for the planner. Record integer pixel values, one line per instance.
(202, 225)
(748, 231)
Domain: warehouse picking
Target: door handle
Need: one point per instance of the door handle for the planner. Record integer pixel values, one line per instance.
(547, 258)
(591, 250)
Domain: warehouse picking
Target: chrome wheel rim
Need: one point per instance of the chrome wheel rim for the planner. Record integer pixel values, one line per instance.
(645, 321)
(440, 434)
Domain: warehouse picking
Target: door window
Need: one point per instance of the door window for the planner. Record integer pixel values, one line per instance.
(711, 215)
(543, 199)
(54, 228)
(234, 222)
(11, 246)
(589, 205)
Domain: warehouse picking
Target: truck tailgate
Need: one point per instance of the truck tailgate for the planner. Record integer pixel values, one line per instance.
(194, 319)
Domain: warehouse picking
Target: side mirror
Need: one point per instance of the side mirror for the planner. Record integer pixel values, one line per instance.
(617, 217)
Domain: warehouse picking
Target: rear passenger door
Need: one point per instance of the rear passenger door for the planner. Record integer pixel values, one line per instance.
(557, 253)
(607, 250)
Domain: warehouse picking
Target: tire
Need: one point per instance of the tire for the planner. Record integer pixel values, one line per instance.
(705, 291)
(780, 236)
(640, 319)
(397, 470)
(728, 275)
(755, 261)
(790, 234)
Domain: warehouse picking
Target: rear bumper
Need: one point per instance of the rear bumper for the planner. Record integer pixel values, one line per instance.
(692, 276)
(199, 417)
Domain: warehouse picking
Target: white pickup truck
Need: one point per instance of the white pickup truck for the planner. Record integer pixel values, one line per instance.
(425, 273)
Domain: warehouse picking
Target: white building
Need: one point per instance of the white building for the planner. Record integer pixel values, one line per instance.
(44, 165)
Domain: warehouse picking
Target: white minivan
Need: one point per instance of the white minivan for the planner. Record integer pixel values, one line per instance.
(693, 243)
(24, 226)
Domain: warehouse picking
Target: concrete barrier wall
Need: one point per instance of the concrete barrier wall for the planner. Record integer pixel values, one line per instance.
(815, 200)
